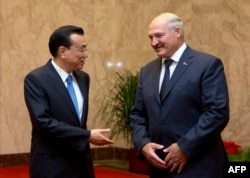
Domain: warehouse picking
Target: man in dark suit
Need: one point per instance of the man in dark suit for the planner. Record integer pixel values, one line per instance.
(60, 139)
(179, 132)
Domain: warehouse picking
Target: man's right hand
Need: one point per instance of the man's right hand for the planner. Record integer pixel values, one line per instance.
(149, 152)
(97, 137)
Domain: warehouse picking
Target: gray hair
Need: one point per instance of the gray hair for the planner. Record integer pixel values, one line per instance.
(174, 22)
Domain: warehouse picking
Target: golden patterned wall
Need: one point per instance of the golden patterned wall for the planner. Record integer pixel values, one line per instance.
(116, 31)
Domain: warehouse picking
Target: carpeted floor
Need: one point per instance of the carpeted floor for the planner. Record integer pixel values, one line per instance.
(101, 172)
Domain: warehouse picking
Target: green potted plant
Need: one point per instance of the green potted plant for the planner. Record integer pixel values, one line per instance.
(117, 103)
(115, 109)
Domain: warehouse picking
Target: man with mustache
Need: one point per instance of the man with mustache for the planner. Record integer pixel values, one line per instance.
(181, 107)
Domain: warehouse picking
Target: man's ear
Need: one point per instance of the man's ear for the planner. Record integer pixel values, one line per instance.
(178, 32)
(61, 52)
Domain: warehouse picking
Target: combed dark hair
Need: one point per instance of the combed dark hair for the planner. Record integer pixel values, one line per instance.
(61, 37)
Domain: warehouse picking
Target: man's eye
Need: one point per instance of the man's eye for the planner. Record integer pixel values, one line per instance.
(159, 36)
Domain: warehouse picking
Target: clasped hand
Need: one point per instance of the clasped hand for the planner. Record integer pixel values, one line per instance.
(97, 137)
(175, 159)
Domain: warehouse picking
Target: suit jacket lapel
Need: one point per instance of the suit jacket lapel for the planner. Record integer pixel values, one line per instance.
(184, 62)
(83, 90)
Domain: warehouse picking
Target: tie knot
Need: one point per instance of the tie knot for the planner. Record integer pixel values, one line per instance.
(69, 79)
(168, 62)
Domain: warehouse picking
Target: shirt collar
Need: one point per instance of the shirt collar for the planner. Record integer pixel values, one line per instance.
(177, 55)
(60, 71)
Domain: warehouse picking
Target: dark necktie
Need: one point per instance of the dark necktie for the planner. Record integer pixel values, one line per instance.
(72, 93)
(163, 90)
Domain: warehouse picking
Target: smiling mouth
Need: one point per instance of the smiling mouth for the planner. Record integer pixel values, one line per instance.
(157, 47)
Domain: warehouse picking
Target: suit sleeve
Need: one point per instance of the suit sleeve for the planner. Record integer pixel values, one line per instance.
(139, 121)
(215, 116)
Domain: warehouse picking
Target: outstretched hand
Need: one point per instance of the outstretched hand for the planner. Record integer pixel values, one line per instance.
(97, 137)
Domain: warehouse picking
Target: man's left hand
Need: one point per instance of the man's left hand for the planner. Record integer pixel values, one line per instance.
(175, 159)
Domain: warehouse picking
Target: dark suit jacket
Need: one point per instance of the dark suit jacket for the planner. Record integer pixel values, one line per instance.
(59, 145)
(194, 112)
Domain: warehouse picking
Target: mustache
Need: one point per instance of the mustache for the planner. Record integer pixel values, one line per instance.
(157, 46)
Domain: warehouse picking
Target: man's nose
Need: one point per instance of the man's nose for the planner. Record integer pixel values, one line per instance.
(154, 42)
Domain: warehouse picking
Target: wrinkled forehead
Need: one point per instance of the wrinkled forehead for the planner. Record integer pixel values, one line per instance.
(157, 26)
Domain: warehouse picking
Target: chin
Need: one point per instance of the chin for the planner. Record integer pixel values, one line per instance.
(80, 66)
(160, 53)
